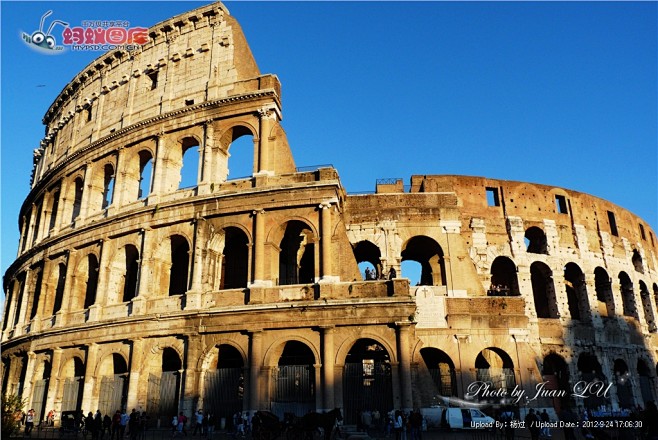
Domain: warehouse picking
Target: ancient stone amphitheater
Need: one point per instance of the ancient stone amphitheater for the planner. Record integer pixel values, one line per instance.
(133, 290)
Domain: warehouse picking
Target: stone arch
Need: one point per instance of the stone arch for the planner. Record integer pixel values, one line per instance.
(441, 370)
(164, 384)
(35, 291)
(367, 378)
(535, 240)
(604, 297)
(145, 160)
(576, 290)
(224, 381)
(108, 185)
(645, 381)
(555, 372)
(655, 294)
(294, 387)
(493, 365)
(123, 273)
(622, 377)
(209, 356)
(72, 372)
(504, 279)
(649, 316)
(426, 251)
(543, 291)
(235, 260)
(179, 270)
(60, 285)
(368, 256)
(297, 262)
(76, 197)
(190, 147)
(112, 373)
(84, 282)
(636, 259)
(276, 348)
(40, 381)
(627, 295)
(345, 346)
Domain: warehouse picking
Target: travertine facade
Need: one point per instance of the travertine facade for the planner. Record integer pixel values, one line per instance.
(131, 291)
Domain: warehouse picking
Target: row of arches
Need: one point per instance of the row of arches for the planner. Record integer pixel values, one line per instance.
(130, 175)
(504, 281)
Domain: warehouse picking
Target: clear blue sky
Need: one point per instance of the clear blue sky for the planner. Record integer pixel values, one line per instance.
(556, 93)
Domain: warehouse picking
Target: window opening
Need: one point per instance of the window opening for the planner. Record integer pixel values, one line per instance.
(561, 204)
(492, 197)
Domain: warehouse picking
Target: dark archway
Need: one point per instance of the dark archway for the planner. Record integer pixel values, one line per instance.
(294, 387)
(504, 281)
(623, 384)
(574, 283)
(367, 380)
(224, 385)
(591, 371)
(429, 254)
(368, 255)
(131, 273)
(604, 297)
(555, 372)
(235, 263)
(535, 240)
(494, 366)
(543, 291)
(442, 371)
(180, 265)
(627, 296)
(297, 255)
(164, 388)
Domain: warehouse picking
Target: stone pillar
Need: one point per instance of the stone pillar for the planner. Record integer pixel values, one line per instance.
(259, 249)
(255, 362)
(63, 214)
(205, 177)
(404, 350)
(325, 243)
(158, 169)
(136, 364)
(30, 228)
(53, 383)
(88, 400)
(29, 378)
(268, 117)
(328, 367)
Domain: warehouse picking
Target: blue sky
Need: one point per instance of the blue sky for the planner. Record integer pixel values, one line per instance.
(549, 92)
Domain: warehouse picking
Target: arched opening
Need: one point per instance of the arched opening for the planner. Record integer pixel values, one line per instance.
(20, 290)
(627, 295)
(189, 174)
(59, 289)
(131, 273)
(604, 297)
(590, 372)
(53, 211)
(368, 257)
(297, 255)
(224, 386)
(145, 174)
(74, 373)
(440, 368)
(178, 272)
(535, 241)
(294, 386)
(113, 393)
(37, 221)
(646, 306)
(164, 388)
(646, 389)
(495, 366)
(40, 390)
(637, 261)
(555, 372)
(240, 154)
(574, 283)
(235, 264)
(108, 185)
(429, 254)
(77, 198)
(92, 280)
(37, 293)
(367, 380)
(543, 291)
(20, 385)
(504, 281)
(655, 294)
(623, 384)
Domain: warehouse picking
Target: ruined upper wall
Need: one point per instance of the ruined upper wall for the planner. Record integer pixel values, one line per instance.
(198, 56)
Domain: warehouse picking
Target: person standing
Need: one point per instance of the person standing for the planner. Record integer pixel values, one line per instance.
(29, 422)
(198, 423)
(545, 430)
(531, 423)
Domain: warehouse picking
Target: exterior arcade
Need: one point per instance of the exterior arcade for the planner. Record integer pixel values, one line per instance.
(133, 289)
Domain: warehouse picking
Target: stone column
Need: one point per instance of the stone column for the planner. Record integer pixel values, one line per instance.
(259, 249)
(53, 383)
(190, 380)
(325, 243)
(30, 228)
(205, 178)
(88, 400)
(404, 349)
(136, 364)
(255, 362)
(29, 379)
(158, 170)
(328, 367)
(268, 117)
(87, 189)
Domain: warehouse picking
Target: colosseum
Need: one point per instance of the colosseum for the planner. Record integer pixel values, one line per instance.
(135, 289)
